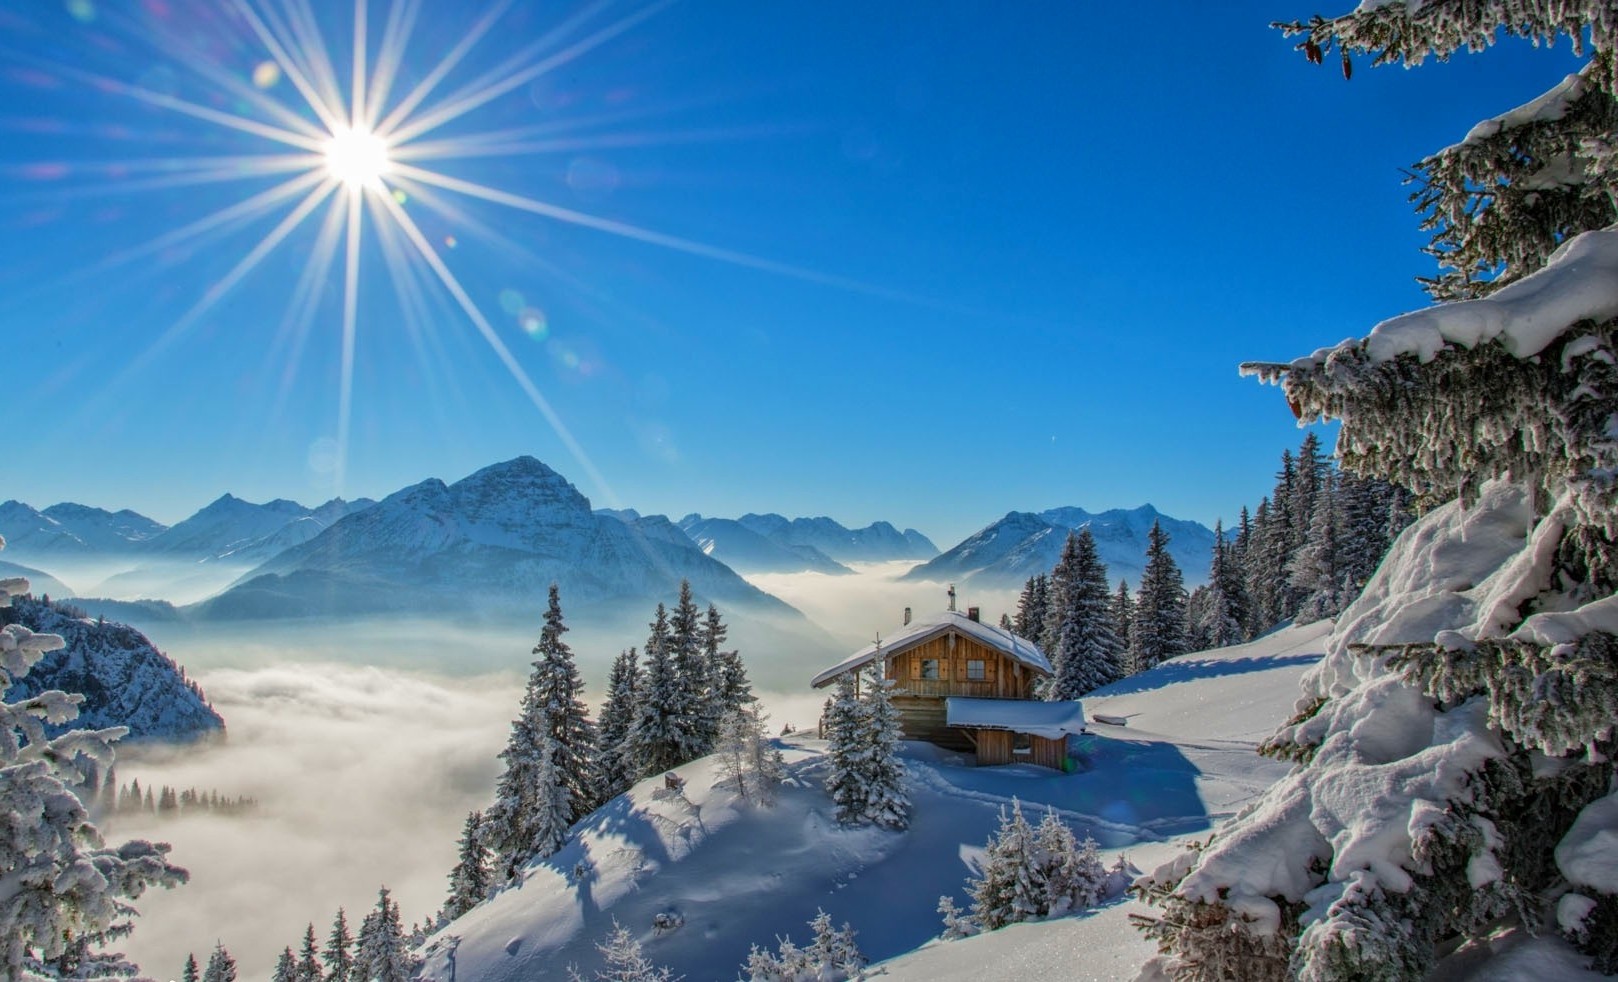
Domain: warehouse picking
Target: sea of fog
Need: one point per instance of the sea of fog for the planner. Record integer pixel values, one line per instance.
(366, 743)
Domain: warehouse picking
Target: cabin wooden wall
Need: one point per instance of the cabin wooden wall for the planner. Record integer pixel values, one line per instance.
(994, 747)
(923, 719)
(1004, 676)
(1047, 753)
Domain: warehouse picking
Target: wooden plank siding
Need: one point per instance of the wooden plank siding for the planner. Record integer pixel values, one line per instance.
(1003, 676)
(1047, 753)
(994, 747)
(923, 719)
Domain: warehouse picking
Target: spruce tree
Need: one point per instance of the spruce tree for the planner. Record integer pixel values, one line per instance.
(1316, 571)
(660, 736)
(866, 777)
(308, 968)
(221, 967)
(1158, 629)
(1086, 645)
(618, 714)
(556, 686)
(1223, 613)
(469, 881)
(1122, 609)
(1031, 608)
(844, 726)
(339, 951)
(1494, 406)
(191, 972)
(731, 689)
(693, 704)
(286, 967)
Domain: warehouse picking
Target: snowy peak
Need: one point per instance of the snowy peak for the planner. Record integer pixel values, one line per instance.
(1023, 544)
(746, 550)
(877, 542)
(492, 541)
(73, 529)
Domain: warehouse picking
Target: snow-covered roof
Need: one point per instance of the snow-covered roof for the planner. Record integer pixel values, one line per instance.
(1578, 283)
(926, 628)
(1051, 720)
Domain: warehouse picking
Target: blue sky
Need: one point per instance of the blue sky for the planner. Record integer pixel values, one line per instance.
(961, 258)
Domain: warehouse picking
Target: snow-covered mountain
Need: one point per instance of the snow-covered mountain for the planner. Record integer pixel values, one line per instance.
(748, 551)
(243, 532)
(491, 541)
(125, 680)
(39, 581)
(1023, 544)
(878, 542)
(69, 529)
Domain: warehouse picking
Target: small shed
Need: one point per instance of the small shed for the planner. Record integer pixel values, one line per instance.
(994, 727)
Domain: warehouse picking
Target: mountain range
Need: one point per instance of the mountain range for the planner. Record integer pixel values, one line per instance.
(774, 544)
(1023, 544)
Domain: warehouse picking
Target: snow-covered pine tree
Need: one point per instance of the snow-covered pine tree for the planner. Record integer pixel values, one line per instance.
(1086, 647)
(1122, 609)
(60, 885)
(1007, 891)
(286, 967)
(661, 735)
(747, 756)
(339, 950)
(1224, 610)
(625, 960)
(618, 714)
(380, 952)
(866, 777)
(470, 880)
(1456, 742)
(191, 972)
(1158, 629)
(844, 725)
(308, 968)
(556, 685)
(728, 676)
(1032, 608)
(221, 966)
(1316, 571)
(692, 704)
(1069, 875)
(831, 957)
(887, 803)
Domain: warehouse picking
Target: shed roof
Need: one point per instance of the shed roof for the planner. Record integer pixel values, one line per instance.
(1051, 720)
(926, 628)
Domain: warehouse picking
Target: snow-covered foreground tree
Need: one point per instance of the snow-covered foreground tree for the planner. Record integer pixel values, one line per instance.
(832, 956)
(866, 779)
(1456, 743)
(63, 893)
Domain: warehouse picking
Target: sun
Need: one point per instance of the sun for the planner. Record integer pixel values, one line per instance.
(357, 157)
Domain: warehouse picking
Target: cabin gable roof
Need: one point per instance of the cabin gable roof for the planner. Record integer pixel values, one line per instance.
(925, 629)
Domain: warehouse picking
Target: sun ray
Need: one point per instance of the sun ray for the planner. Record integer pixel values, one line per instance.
(295, 324)
(307, 46)
(356, 112)
(351, 291)
(466, 148)
(459, 104)
(513, 367)
(110, 185)
(289, 67)
(390, 55)
(405, 172)
(163, 101)
(445, 65)
(226, 283)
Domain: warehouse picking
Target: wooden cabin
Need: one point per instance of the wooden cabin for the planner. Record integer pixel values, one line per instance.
(954, 657)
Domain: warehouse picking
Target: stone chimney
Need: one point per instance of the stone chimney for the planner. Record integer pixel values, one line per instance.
(972, 613)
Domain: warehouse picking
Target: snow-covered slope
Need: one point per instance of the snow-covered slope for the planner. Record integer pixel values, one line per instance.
(238, 531)
(125, 680)
(878, 542)
(747, 551)
(740, 874)
(1023, 544)
(39, 581)
(493, 540)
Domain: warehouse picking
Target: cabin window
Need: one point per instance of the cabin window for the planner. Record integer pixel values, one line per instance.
(975, 670)
(929, 668)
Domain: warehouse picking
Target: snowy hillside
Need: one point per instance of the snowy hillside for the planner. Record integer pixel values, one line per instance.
(493, 540)
(124, 679)
(1023, 544)
(738, 874)
(748, 551)
(240, 531)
